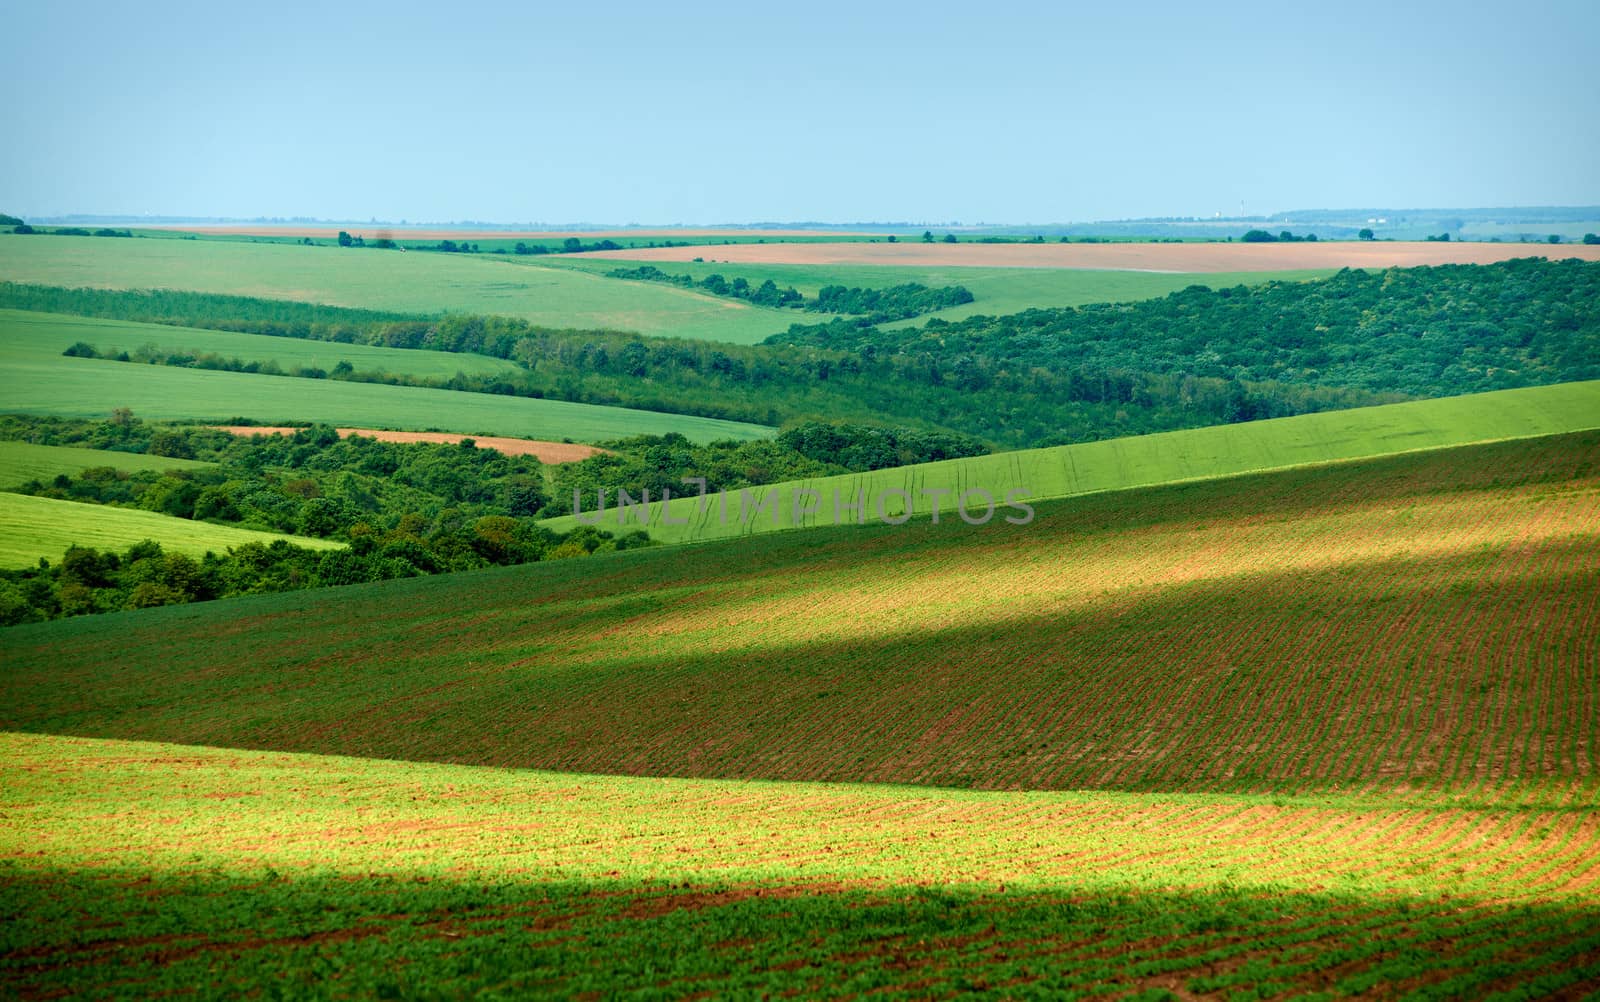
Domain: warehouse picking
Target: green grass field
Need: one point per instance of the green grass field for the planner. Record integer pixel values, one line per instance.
(391, 280)
(1325, 730)
(42, 334)
(996, 291)
(41, 381)
(21, 462)
(1118, 464)
(148, 869)
(32, 527)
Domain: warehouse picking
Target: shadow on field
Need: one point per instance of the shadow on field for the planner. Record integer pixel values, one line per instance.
(120, 932)
(1388, 672)
(1458, 666)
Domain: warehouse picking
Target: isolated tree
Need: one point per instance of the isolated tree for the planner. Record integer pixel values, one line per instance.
(345, 240)
(1591, 238)
(171, 444)
(949, 238)
(1365, 235)
(1553, 238)
(927, 236)
(525, 495)
(893, 239)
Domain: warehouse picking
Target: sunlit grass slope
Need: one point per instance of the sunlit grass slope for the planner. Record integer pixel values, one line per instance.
(32, 527)
(1115, 464)
(1426, 621)
(144, 869)
(21, 462)
(39, 380)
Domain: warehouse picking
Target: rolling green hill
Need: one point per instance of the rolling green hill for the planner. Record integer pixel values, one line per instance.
(391, 280)
(32, 527)
(1288, 708)
(41, 381)
(1118, 464)
(1321, 730)
(23, 461)
(1363, 625)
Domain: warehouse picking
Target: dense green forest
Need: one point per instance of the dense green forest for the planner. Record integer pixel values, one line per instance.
(898, 302)
(404, 509)
(1042, 377)
(1418, 331)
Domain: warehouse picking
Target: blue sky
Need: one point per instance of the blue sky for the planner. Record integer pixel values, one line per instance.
(702, 113)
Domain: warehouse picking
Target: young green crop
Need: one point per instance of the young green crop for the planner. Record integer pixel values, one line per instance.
(1361, 625)
(227, 874)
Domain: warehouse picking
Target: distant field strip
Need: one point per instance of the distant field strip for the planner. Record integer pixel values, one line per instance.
(1118, 464)
(32, 527)
(1174, 257)
(39, 380)
(231, 874)
(21, 462)
(388, 280)
(996, 291)
(1427, 622)
(46, 334)
(407, 234)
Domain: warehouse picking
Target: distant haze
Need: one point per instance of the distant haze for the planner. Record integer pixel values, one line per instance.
(719, 113)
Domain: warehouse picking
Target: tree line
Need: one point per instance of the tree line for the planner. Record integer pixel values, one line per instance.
(897, 302)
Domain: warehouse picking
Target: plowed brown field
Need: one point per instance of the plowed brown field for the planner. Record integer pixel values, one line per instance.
(1116, 257)
(545, 452)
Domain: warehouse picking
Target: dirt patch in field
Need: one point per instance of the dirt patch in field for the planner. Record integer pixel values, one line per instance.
(545, 452)
(1115, 257)
(408, 233)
